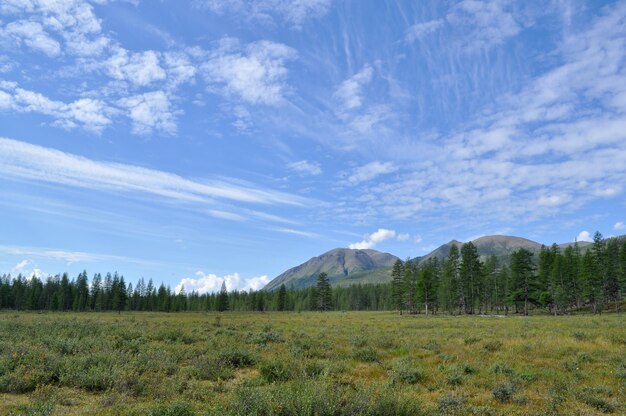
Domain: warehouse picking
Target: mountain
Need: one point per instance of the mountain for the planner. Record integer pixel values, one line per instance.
(347, 267)
(344, 267)
(499, 245)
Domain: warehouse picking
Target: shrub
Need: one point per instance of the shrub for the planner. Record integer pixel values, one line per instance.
(455, 379)
(236, 358)
(492, 346)
(471, 340)
(450, 403)
(468, 369)
(173, 409)
(406, 373)
(367, 354)
(276, 370)
(211, 369)
(358, 341)
(580, 336)
(502, 368)
(503, 392)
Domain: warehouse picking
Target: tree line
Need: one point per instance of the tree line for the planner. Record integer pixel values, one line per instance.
(555, 280)
(558, 280)
(111, 293)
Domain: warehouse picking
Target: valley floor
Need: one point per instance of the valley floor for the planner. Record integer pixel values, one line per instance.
(310, 363)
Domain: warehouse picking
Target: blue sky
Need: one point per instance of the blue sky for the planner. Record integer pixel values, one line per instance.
(208, 140)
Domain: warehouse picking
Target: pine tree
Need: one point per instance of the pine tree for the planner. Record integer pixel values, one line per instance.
(282, 298)
(397, 285)
(470, 276)
(222, 299)
(323, 293)
(523, 281)
(426, 285)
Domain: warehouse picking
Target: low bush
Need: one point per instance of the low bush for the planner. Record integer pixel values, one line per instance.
(366, 354)
(503, 392)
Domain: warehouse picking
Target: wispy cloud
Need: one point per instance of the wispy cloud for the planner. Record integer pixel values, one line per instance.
(350, 92)
(294, 13)
(370, 171)
(490, 22)
(27, 161)
(306, 167)
(541, 152)
(297, 232)
(420, 30)
(69, 257)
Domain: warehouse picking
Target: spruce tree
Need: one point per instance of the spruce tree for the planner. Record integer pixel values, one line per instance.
(523, 282)
(222, 299)
(323, 293)
(470, 275)
(281, 303)
(397, 285)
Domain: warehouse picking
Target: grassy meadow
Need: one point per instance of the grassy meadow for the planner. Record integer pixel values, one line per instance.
(376, 363)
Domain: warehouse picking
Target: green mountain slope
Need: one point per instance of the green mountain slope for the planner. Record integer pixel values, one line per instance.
(343, 266)
(502, 246)
(347, 267)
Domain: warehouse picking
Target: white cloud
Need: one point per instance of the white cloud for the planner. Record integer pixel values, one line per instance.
(350, 92)
(303, 166)
(150, 111)
(138, 68)
(210, 283)
(418, 239)
(553, 200)
(67, 256)
(21, 265)
(584, 236)
(297, 232)
(420, 30)
(73, 20)
(540, 152)
(619, 226)
(27, 161)
(294, 12)
(376, 237)
(90, 114)
(255, 73)
(490, 22)
(179, 68)
(403, 237)
(370, 171)
(225, 215)
(32, 35)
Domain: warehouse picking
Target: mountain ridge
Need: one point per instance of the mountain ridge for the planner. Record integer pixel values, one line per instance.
(346, 266)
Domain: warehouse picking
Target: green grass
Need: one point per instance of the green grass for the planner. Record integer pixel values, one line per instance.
(310, 364)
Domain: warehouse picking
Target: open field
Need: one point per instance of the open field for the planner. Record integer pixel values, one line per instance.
(310, 363)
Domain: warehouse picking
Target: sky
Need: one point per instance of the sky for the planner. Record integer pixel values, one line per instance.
(196, 142)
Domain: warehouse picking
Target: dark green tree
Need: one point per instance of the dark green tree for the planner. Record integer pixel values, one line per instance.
(281, 303)
(222, 299)
(323, 293)
(470, 276)
(523, 280)
(398, 285)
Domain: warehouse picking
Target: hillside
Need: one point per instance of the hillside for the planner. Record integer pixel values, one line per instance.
(343, 266)
(347, 267)
(499, 245)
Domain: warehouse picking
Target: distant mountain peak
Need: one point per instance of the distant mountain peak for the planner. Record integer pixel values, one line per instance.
(340, 264)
